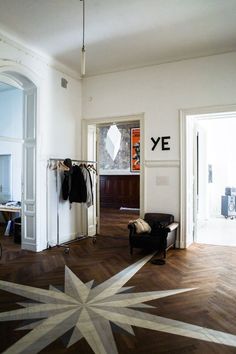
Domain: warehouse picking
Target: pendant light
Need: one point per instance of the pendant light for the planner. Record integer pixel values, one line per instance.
(83, 46)
(113, 141)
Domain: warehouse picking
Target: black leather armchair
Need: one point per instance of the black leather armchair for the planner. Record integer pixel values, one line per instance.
(162, 236)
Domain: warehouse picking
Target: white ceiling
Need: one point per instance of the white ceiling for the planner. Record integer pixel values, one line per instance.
(121, 34)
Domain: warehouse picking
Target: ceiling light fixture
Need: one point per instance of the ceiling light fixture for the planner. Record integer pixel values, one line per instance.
(83, 46)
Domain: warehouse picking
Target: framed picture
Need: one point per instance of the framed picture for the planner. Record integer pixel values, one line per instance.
(135, 149)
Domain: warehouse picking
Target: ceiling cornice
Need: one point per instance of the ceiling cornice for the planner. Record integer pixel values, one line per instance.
(45, 59)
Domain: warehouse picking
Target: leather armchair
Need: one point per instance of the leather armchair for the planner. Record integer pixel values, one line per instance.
(162, 236)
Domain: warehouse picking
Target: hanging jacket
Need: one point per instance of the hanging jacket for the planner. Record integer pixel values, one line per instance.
(78, 190)
(89, 186)
(66, 184)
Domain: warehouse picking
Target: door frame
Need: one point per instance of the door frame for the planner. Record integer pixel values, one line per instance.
(16, 75)
(110, 120)
(185, 116)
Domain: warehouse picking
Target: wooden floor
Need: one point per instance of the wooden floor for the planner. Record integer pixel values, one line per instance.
(114, 221)
(210, 270)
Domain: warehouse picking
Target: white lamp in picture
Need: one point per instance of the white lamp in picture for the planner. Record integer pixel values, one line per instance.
(113, 140)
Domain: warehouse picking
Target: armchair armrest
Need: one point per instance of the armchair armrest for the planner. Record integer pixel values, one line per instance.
(132, 229)
(172, 226)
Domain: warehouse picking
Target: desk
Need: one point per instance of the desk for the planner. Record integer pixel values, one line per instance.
(7, 212)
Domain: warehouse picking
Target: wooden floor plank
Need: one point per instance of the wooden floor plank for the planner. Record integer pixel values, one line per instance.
(208, 269)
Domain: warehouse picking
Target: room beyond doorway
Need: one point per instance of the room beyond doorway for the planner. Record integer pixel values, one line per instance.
(108, 169)
(211, 170)
(26, 179)
(119, 180)
(11, 161)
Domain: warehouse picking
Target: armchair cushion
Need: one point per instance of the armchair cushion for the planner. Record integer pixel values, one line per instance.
(141, 226)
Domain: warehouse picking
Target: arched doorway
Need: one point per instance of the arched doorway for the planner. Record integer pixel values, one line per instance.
(14, 77)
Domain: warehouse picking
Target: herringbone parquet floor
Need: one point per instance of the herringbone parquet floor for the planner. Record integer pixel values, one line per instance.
(208, 269)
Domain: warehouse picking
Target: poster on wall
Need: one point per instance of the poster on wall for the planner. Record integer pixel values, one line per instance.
(135, 149)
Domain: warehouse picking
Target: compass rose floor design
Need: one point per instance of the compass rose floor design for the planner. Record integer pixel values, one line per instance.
(88, 311)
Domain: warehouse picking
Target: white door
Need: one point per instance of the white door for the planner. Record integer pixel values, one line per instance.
(196, 172)
(91, 156)
(5, 178)
(202, 193)
(190, 180)
(29, 170)
(196, 141)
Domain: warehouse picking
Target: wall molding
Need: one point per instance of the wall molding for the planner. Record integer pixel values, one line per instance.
(30, 247)
(161, 163)
(117, 173)
(11, 140)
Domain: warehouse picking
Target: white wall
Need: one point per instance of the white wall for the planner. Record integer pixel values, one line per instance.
(58, 121)
(160, 91)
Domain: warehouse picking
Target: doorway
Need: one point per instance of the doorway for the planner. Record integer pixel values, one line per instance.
(11, 143)
(119, 180)
(210, 178)
(111, 183)
(18, 141)
(216, 181)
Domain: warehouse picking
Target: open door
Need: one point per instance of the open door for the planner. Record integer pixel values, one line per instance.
(29, 171)
(196, 182)
(190, 180)
(91, 156)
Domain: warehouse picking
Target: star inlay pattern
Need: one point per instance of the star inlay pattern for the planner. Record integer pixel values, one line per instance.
(88, 312)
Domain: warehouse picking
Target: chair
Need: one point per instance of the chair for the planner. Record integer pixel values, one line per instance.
(162, 236)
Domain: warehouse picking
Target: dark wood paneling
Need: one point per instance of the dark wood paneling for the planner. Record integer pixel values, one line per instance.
(119, 191)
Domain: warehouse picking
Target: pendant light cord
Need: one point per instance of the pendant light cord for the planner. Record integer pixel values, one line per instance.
(83, 48)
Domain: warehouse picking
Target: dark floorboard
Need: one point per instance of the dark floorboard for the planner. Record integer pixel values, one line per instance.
(208, 269)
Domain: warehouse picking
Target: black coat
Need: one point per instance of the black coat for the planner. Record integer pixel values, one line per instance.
(78, 190)
(65, 186)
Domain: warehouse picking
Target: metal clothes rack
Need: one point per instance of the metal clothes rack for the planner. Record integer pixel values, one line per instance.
(65, 244)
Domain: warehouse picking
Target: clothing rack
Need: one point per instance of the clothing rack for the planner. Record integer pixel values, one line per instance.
(78, 161)
(65, 244)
